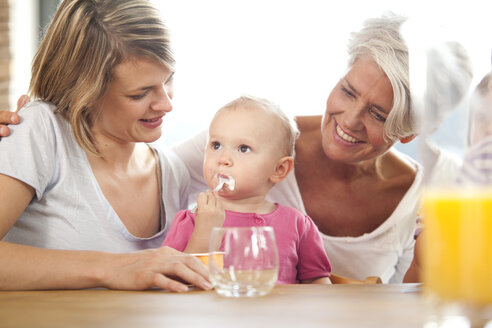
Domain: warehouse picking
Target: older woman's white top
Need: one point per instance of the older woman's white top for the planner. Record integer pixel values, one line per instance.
(385, 252)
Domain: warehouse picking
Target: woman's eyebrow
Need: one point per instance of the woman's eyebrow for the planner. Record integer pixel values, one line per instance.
(149, 87)
(351, 87)
(381, 109)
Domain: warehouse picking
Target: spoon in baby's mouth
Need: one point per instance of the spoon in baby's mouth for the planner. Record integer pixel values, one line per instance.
(225, 180)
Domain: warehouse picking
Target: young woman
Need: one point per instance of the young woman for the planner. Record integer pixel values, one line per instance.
(84, 199)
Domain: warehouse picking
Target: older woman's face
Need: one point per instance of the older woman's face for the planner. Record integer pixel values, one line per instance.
(356, 109)
(137, 99)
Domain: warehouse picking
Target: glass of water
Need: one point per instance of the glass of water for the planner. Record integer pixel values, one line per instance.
(243, 261)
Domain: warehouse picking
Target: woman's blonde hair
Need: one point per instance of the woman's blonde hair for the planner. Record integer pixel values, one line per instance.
(84, 42)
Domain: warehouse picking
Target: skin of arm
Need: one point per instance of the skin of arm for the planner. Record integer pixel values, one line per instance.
(413, 273)
(210, 213)
(30, 268)
(321, 281)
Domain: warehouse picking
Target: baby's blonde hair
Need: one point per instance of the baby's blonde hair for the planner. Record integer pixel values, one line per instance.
(289, 126)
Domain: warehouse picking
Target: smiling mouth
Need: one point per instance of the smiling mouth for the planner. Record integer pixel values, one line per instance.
(150, 120)
(345, 136)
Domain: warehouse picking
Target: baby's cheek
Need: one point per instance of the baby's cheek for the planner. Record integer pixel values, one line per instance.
(209, 177)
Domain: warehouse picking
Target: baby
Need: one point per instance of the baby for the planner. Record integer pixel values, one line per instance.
(250, 148)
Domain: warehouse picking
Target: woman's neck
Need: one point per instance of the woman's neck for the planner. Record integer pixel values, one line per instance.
(118, 156)
(348, 171)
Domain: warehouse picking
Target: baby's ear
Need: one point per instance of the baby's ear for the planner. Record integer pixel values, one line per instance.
(282, 169)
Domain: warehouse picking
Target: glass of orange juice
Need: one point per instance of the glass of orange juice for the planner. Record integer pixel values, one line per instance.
(455, 151)
(457, 256)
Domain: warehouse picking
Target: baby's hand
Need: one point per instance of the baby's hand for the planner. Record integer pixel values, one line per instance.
(209, 214)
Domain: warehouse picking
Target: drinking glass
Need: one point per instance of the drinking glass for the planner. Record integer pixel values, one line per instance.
(457, 194)
(243, 261)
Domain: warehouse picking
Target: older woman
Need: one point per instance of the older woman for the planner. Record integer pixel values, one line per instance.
(362, 194)
(84, 199)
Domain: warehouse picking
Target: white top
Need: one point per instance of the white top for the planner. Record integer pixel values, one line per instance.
(385, 252)
(69, 210)
(446, 168)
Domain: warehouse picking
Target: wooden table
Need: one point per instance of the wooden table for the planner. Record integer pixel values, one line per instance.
(298, 306)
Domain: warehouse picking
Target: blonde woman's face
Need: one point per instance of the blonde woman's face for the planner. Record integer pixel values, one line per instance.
(356, 110)
(135, 103)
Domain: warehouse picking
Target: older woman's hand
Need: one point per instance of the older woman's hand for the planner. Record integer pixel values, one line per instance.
(163, 268)
(7, 117)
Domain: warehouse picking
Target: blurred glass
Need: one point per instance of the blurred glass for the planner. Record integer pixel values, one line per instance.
(457, 196)
(243, 262)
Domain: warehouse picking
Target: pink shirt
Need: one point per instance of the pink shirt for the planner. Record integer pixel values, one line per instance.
(300, 247)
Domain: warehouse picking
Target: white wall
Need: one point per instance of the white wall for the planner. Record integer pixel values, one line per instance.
(23, 39)
(289, 51)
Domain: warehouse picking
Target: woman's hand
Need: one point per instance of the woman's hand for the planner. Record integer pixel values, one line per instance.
(210, 213)
(163, 268)
(7, 117)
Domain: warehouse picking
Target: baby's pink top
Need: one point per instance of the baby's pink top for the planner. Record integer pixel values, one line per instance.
(300, 247)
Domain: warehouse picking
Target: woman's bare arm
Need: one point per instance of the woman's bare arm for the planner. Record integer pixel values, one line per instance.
(28, 268)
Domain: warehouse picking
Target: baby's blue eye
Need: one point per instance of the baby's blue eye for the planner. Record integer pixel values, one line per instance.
(215, 145)
(244, 149)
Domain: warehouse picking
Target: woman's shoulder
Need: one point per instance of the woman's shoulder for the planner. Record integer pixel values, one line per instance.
(172, 167)
(310, 135)
(38, 108)
(38, 118)
(405, 179)
(397, 163)
(308, 124)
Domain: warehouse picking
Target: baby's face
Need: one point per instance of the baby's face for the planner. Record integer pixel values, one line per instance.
(244, 143)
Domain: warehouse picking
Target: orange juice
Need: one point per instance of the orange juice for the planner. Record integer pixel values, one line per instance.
(457, 249)
(217, 257)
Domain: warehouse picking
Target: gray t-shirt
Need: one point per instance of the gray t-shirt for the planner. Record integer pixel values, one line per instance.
(69, 210)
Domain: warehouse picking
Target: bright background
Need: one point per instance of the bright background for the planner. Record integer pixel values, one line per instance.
(291, 52)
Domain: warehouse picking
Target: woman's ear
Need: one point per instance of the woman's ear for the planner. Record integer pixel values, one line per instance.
(405, 140)
(282, 169)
